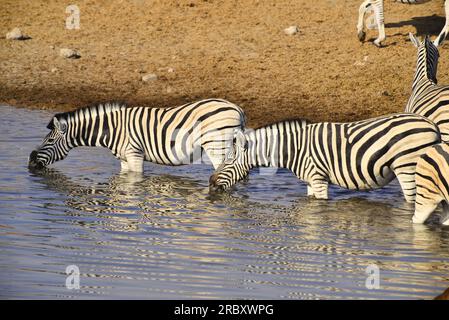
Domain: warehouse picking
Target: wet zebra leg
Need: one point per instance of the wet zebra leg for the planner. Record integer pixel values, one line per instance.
(406, 179)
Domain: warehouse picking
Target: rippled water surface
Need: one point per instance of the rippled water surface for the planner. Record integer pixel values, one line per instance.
(164, 236)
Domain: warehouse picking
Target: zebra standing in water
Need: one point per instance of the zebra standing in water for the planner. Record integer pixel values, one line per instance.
(170, 136)
(429, 99)
(378, 8)
(432, 183)
(360, 155)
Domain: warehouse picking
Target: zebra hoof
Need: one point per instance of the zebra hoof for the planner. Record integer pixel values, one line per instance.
(361, 35)
(378, 44)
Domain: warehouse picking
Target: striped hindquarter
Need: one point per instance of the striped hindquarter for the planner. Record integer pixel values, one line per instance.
(169, 136)
(428, 98)
(378, 7)
(361, 155)
(368, 154)
(176, 136)
(432, 183)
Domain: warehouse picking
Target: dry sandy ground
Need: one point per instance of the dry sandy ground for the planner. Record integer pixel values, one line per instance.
(232, 49)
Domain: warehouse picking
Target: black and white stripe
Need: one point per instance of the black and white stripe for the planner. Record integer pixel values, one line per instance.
(432, 183)
(359, 155)
(169, 136)
(378, 7)
(428, 98)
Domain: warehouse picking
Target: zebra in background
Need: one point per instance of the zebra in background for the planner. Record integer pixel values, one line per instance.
(432, 183)
(429, 99)
(169, 136)
(378, 7)
(360, 155)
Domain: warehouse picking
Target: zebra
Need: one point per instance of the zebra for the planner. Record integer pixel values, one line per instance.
(428, 98)
(432, 183)
(378, 8)
(360, 155)
(168, 136)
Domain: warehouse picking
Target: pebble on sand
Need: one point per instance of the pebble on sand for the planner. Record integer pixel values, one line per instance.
(149, 77)
(16, 34)
(292, 30)
(361, 63)
(69, 53)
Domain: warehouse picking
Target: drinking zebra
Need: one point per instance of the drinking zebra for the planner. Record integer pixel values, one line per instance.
(170, 136)
(378, 8)
(359, 155)
(429, 99)
(432, 183)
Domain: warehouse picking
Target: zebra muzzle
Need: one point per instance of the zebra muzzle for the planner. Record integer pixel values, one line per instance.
(33, 162)
(213, 186)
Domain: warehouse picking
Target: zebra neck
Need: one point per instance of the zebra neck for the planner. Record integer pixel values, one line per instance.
(95, 126)
(271, 146)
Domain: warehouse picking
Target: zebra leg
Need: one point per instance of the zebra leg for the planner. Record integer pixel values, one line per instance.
(124, 165)
(423, 210)
(309, 190)
(439, 40)
(445, 217)
(378, 7)
(134, 159)
(408, 185)
(361, 34)
(320, 188)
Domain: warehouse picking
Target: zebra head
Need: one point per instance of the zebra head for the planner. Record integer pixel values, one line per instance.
(427, 56)
(235, 166)
(54, 147)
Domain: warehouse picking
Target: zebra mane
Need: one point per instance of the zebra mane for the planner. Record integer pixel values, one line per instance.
(305, 121)
(430, 48)
(107, 107)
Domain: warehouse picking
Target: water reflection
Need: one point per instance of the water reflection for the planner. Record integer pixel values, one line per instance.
(305, 246)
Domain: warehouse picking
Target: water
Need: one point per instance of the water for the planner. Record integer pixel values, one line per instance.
(164, 236)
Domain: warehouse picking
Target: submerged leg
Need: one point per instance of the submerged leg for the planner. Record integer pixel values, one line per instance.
(320, 188)
(439, 40)
(124, 165)
(134, 159)
(445, 217)
(423, 211)
(309, 190)
(408, 185)
(360, 24)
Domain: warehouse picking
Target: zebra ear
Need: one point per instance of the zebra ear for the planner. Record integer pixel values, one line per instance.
(414, 40)
(240, 139)
(51, 125)
(60, 125)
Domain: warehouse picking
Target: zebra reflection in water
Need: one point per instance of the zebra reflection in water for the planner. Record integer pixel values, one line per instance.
(129, 199)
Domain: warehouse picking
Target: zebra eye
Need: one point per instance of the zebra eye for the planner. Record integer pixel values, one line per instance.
(51, 140)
